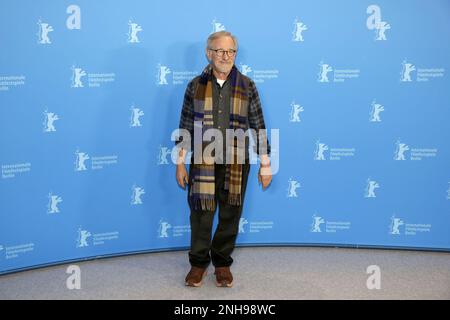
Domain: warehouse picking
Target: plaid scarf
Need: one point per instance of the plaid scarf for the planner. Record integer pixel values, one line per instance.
(202, 194)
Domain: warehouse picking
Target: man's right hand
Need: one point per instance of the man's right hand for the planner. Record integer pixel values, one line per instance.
(182, 175)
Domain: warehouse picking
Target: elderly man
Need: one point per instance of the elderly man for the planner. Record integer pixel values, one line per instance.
(221, 101)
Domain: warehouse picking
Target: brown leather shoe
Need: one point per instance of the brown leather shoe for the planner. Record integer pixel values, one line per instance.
(224, 278)
(195, 277)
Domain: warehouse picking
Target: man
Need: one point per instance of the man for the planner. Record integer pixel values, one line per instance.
(222, 101)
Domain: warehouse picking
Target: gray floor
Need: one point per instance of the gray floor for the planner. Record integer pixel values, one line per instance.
(260, 273)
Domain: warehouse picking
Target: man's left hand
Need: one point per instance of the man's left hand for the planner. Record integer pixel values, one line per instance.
(264, 176)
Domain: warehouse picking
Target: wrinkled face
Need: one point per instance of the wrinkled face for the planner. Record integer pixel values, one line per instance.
(221, 62)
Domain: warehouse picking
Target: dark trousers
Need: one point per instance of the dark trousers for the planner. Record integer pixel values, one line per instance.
(222, 245)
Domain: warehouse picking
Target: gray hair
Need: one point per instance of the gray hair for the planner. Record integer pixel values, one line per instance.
(220, 34)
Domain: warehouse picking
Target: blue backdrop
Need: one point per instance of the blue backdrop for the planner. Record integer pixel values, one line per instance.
(90, 92)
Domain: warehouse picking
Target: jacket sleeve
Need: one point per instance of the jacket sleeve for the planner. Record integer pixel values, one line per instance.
(187, 111)
(256, 120)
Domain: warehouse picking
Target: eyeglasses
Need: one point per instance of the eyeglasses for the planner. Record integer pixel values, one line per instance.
(220, 52)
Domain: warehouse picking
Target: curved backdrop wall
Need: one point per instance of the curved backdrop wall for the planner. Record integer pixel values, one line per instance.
(90, 92)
